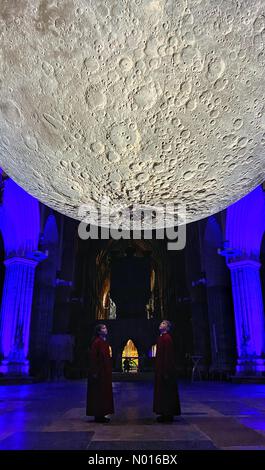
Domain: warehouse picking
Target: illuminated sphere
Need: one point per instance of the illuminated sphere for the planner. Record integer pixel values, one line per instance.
(142, 101)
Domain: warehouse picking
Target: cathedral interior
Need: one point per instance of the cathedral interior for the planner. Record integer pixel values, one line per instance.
(129, 284)
(120, 106)
(55, 287)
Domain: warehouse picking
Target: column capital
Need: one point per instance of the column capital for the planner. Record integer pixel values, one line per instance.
(22, 261)
(244, 263)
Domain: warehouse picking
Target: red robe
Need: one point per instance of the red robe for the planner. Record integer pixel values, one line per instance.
(166, 397)
(99, 390)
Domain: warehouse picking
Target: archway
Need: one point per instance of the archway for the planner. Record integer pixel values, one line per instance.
(130, 279)
(93, 298)
(129, 272)
(130, 357)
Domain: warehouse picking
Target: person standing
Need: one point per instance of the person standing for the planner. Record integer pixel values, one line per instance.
(166, 397)
(99, 390)
(126, 365)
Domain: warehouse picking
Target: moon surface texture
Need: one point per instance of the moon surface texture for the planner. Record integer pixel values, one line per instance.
(139, 102)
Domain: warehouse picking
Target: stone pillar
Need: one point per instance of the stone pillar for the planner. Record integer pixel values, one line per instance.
(15, 315)
(249, 317)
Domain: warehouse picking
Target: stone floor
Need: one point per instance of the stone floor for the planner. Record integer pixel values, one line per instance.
(52, 416)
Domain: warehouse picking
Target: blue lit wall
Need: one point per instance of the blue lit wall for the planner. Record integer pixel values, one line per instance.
(245, 226)
(19, 220)
(245, 223)
(20, 228)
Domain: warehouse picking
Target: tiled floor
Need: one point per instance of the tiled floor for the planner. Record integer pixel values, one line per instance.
(52, 416)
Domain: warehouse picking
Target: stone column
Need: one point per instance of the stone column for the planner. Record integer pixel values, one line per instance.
(249, 317)
(15, 315)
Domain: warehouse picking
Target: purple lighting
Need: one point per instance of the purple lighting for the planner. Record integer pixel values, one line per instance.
(245, 226)
(19, 220)
(245, 223)
(20, 227)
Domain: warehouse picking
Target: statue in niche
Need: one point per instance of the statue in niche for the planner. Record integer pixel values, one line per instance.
(112, 309)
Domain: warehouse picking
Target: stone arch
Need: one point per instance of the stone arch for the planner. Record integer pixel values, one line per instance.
(131, 356)
(102, 273)
(90, 271)
(142, 332)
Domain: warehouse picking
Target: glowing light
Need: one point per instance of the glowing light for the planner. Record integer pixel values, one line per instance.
(130, 352)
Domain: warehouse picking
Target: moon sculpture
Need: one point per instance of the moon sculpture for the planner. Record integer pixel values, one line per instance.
(141, 102)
